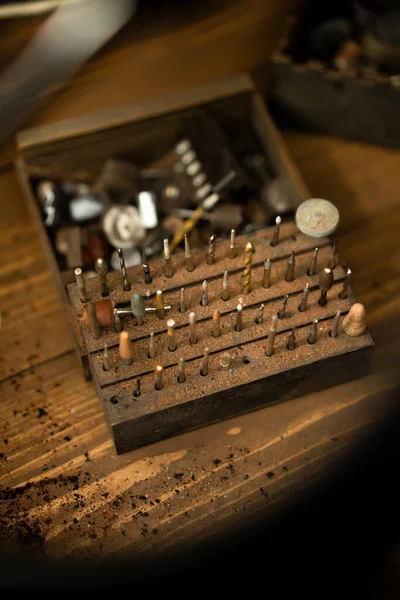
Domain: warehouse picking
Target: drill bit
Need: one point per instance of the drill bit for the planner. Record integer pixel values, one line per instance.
(232, 246)
(239, 318)
(117, 321)
(248, 267)
(188, 256)
(211, 250)
(290, 267)
(160, 304)
(152, 346)
(312, 269)
(260, 317)
(345, 289)
(125, 282)
(205, 361)
(325, 284)
(106, 359)
(269, 349)
(136, 392)
(192, 328)
(146, 269)
(333, 257)
(312, 336)
(204, 295)
(275, 237)
(94, 323)
(159, 378)
(216, 330)
(282, 310)
(125, 348)
(80, 282)
(291, 343)
(182, 305)
(167, 258)
(335, 325)
(102, 270)
(304, 298)
(181, 370)
(191, 223)
(226, 294)
(138, 309)
(225, 361)
(172, 345)
(267, 274)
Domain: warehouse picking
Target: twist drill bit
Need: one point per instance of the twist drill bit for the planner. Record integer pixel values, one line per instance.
(138, 309)
(181, 370)
(125, 348)
(333, 257)
(172, 345)
(290, 267)
(146, 269)
(207, 205)
(106, 359)
(304, 298)
(269, 349)
(239, 318)
(335, 325)
(182, 305)
(137, 391)
(260, 317)
(205, 361)
(345, 289)
(94, 323)
(117, 321)
(325, 284)
(312, 269)
(312, 336)
(211, 250)
(167, 258)
(291, 343)
(248, 267)
(152, 346)
(225, 361)
(275, 237)
(232, 246)
(160, 304)
(267, 274)
(188, 256)
(101, 269)
(80, 282)
(192, 328)
(204, 295)
(125, 283)
(282, 310)
(159, 378)
(226, 294)
(216, 330)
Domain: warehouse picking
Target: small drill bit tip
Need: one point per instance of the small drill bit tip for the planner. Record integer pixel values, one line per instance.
(216, 331)
(106, 359)
(211, 250)
(291, 343)
(247, 267)
(226, 294)
(325, 283)
(260, 317)
(204, 296)
(239, 317)
(152, 346)
(167, 258)
(312, 336)
(146, 269)
(282, 311)
(81, 284)
(125, 283)
(159, 378)
(312, 269)
(101, 269)
(181, 370)
(160, 304)
(138, 308)
(290, 267)
(275, 236)
(345, 289)
(335, 325)
(182, 305)
(172, 345)
(205, 362)
(192, 328)
(304, 299)
(232, 245)
(267, 273)
(270, 347)
(188, 255)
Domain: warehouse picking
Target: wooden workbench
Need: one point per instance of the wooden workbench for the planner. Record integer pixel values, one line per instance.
(64, 489)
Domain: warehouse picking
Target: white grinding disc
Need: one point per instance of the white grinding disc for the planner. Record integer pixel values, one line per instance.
(317, 217)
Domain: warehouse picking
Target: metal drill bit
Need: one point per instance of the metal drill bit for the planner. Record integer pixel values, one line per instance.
(291, 343)
(182, 305)
(204, 364)
(117, 321)
(282, 310)
(167, 258)
(159, 378)
(335, 325)
(312, 336)
(94, 323)
(188, 256)
(290, 267)
(81, 284)
(211, 250)
(204, 294)
(160, 304)
(239, 318)
(136, 392)
(269, 349)
(325, 283)
(192, 328)
(181, 370)
(232, 246)
(275, 237)
(333, 257)
(304, 298)
(225, 361)
(106, 359)
(216, 330)
(260, 317)
(125, 348)
(146, 269)
(138, 309)
(101, 268)
(226, 294)
(247, 268)
(125, 282)
(152, 346)
(267, 274)
(312, 269)
(172, 345)
(345, 289)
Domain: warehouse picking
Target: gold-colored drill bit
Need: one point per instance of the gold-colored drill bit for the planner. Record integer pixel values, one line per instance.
(188, 256)
(247, 268)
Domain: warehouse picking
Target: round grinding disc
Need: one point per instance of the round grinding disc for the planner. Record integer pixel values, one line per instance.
(317, 217)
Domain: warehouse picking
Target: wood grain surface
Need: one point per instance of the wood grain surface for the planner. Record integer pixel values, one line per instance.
(64, 490)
